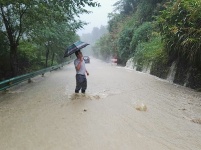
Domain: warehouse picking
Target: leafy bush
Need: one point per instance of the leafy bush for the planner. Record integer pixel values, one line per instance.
(180, 24)
(141, 34)
(124, 40)
(152, 52)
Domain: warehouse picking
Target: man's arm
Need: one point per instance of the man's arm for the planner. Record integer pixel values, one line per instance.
(79, 65)
(87, 72)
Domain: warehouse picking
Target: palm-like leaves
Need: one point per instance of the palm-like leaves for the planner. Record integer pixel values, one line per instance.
(181, 26)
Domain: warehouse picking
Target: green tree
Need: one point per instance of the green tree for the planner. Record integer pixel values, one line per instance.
(180, 25)
(20, 17)
(4, 56)
(102, 48)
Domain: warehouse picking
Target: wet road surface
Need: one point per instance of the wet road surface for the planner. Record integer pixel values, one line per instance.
(47, 115)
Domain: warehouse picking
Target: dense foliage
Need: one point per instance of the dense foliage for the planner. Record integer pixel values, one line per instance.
(180, 26)
(35, 33)
(157, 32)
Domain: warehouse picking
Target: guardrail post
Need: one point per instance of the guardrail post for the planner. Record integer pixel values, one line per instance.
(29, 80)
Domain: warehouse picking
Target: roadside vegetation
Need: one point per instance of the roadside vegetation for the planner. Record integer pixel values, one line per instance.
(156, 33)
(34, 34)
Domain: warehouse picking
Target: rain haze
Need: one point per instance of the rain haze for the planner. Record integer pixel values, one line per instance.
(98, 17)
(132, 87)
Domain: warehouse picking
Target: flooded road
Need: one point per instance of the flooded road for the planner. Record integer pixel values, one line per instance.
(122, 110)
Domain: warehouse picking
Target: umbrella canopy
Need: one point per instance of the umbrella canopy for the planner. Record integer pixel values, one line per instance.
(74, 47)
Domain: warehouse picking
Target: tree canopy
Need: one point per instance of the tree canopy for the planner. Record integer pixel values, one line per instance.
(47, 20)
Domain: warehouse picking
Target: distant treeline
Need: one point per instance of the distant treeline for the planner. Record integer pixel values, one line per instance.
(157, 33)
(93, 37)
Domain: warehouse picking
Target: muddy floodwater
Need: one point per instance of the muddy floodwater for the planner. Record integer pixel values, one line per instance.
(122, 110)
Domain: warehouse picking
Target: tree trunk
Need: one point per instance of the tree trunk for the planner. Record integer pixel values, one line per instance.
(47, 55)
(13, 60)
(52, 59)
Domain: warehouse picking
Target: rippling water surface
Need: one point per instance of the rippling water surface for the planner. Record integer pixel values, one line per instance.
(122, 109)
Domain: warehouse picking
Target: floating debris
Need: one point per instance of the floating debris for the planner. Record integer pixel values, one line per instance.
(141, 107)
(198, 121)
(183, 109)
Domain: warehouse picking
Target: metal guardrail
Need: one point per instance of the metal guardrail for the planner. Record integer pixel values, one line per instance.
(16, 80)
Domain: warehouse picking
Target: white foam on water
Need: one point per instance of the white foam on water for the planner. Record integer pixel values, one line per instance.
(80, 96)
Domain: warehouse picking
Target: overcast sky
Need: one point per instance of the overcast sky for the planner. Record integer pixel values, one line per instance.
(98, 17)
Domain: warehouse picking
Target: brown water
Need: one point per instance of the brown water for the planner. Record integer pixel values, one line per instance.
(122, 110)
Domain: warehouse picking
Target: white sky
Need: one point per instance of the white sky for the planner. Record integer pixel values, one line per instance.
(98, 16)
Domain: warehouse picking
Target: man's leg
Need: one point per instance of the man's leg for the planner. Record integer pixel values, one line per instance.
(78, 84)
(84, 85)
(76, 91)
(83, 91)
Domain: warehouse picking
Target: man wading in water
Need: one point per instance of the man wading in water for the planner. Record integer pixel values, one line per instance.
(81, 80)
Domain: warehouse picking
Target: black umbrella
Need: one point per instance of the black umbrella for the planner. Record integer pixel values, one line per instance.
(75, 47)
